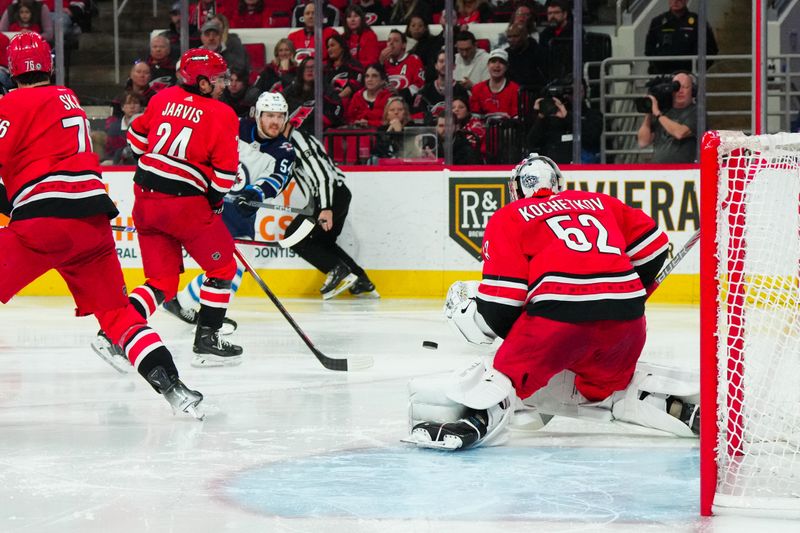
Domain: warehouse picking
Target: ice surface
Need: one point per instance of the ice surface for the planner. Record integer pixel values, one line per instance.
(290, 446)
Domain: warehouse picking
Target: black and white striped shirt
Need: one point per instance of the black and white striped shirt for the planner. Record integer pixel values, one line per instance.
(314, 171)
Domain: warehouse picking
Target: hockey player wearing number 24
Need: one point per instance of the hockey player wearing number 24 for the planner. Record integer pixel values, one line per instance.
(266, 161)
(565, 279)
(187, 143)
(60, 215)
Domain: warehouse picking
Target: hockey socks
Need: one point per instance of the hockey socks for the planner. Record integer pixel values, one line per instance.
(146, 299)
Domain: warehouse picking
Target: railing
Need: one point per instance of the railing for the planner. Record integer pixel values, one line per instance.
(619, 91)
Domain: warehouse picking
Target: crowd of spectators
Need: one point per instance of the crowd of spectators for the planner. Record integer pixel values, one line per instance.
(383, 88)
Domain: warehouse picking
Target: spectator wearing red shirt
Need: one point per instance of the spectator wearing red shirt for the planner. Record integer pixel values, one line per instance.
(498, 95)
(27, 17)
(366, 107)
(41, 16)
(201, 12)
(472, 12)
(361, 39)
(405, 71)
(303, 39)
(249, 14)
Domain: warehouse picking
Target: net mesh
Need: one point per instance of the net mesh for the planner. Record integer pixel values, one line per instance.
(758, 232)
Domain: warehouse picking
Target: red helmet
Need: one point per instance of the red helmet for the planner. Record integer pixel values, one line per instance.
(199, 62)
(29, 52)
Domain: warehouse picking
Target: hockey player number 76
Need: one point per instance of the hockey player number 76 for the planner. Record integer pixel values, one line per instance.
(83, 127)
(576, 239)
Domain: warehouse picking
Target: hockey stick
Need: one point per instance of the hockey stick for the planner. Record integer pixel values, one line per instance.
(678, 257)
(342, 364)
(303, 230)
(307, 210)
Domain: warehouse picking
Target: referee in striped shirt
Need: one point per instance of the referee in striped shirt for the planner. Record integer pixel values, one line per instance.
(319, 178)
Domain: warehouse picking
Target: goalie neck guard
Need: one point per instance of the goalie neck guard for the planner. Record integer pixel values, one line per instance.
(536, 175)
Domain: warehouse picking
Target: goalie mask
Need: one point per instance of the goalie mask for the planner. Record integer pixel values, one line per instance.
(535, 176)
(272, 103)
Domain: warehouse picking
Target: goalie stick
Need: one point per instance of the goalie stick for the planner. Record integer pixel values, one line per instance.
(678, 257)
(331, 363)
(306, 227)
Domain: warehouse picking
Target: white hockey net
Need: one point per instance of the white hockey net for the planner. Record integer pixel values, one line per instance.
(758, 344)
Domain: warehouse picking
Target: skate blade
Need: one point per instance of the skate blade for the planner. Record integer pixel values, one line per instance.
(211, 360)
(421, 439)
(120, 363)
(193, 409)
(371, 295)
(343, 286)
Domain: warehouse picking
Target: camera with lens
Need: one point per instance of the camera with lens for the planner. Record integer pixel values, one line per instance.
(662, 89)
(561, 89)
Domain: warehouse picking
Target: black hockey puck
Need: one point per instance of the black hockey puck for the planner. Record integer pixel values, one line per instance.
(430, 345)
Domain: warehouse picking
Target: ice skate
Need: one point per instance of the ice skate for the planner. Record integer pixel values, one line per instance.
(111, 353)
(450, 436)
(186, 314)
(179, 396)
(688, 413)
(189, 316)
(211, 350)
(364, 288)
(339, 279)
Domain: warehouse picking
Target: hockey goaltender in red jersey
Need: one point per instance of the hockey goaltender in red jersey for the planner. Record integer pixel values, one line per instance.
(565, 279)
(60, 214)
(188, 143)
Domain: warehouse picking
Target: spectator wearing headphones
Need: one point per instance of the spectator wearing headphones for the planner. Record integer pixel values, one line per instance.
(672, 132)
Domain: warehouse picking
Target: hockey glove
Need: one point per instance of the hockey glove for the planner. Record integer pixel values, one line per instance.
(217, 203)
(249, 194)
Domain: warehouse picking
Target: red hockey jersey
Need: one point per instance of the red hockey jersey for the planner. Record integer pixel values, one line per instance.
(573, 257)
(188, 143)
(485, 102)
(46, 158)
(304, 45)
(408, 72)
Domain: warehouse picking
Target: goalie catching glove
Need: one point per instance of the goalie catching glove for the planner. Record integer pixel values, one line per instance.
(461, 311)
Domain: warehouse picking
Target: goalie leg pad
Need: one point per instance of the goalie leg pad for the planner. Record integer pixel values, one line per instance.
(658, 400)
(427, 401)
(480, 386)
(469, 408)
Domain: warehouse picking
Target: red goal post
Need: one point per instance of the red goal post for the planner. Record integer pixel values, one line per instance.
(750, 324)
